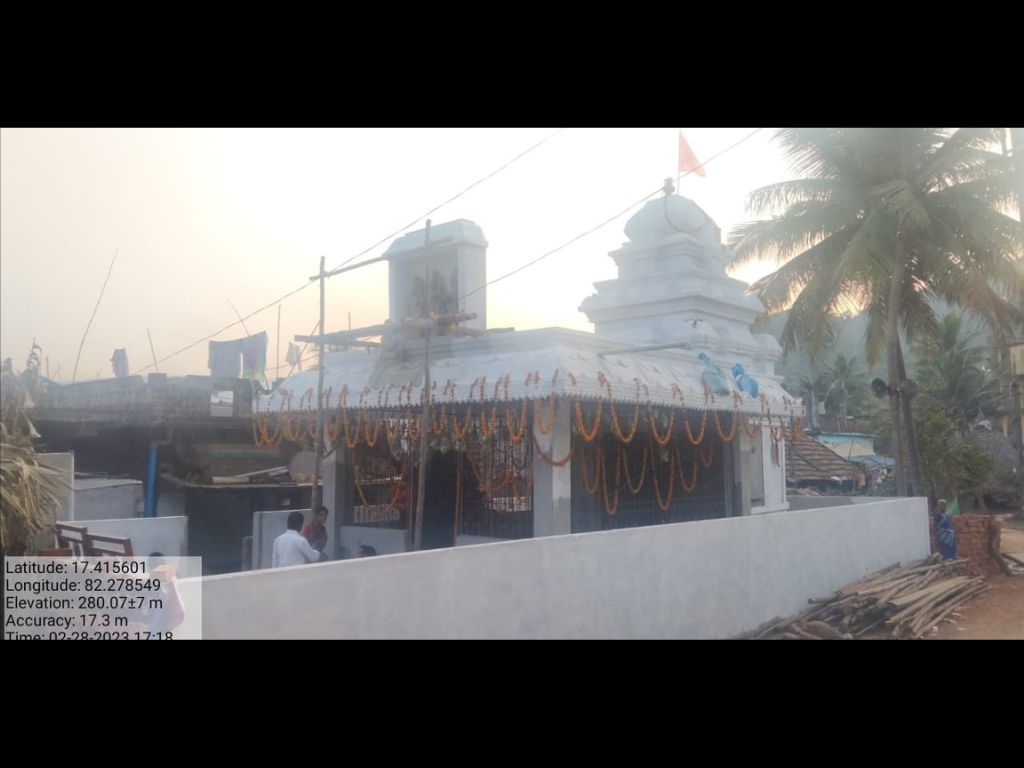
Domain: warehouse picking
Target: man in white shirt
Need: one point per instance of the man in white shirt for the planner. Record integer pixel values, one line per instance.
(291, 547)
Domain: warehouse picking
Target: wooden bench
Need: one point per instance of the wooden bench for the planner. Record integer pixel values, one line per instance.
(71, 537)
(98, 545)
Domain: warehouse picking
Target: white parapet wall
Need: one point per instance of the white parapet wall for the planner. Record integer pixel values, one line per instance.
(64, 465)
(385, 541)
(166, 535)
(106, 499)
(707, 579)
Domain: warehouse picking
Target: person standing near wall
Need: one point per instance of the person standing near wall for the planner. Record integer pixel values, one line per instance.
(291, 547)
(944, 529)
(316, 532)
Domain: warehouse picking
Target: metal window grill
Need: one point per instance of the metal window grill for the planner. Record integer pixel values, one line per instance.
(481, 470)
(624, 486)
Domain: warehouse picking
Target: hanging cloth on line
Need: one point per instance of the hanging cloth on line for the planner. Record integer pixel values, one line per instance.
(225, 358)
(249, 354)
(120, 363)
(254, 356)
(294, 356)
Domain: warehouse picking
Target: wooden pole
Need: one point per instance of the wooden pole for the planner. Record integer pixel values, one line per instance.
(319, 443)
(88, 325)
(425, 426)
(277, 369)
(152, 351)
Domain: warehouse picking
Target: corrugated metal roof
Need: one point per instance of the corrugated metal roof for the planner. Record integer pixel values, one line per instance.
(874, 461)
(517, 366)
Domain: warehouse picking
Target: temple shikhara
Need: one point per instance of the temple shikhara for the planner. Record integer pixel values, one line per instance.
(669, 412)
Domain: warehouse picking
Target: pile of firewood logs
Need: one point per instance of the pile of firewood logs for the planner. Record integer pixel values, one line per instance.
(908, 600)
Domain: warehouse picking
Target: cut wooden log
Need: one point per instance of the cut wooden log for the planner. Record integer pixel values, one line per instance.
(918, 617)
(868, 627)
(909, 599)
(823, 630)
(803, 633)
(954, 604)
(936, 593)
(773, 626)
(905, 600)
(871, 578)
(930, 616)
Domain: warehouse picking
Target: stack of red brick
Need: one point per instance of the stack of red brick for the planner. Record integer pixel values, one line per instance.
(977, 538)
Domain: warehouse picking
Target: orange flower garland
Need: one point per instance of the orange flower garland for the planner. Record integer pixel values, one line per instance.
(538, 415)
(588, 435)
(689, 434)
(634, 488)
(547, 458)
(591, 488)
(610, 508)
(664, 505)
(688, 487)
(732, 432)
(709, 460)
(516, 435)
(663, 440)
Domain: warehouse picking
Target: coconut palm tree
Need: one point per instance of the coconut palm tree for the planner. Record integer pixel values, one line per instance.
(29, 490)
(845, 376)
(886, 220)
(951, 372)
(814, 387)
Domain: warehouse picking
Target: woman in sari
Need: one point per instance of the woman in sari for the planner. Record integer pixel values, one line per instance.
(316, 532)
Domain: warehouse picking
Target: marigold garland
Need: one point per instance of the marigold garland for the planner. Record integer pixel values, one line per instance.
(732, 432)
(635, 488)
(617, 428)
(458, 496)
(371, 441)
(516, 435)
(688, 487)
(588, 435)
(664, 505)
(689, 434)
(459, 430)
(591, 488)
(538, 414)
(547, 458)
(663, 440)
(346, 428)
(292, 437)
(437, 424)
(488, 424)
(610, 508)
(709, 460)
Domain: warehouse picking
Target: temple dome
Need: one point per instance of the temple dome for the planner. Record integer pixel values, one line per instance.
(669, 217)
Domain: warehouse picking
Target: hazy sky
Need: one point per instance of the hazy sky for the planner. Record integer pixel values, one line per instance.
(201, 217)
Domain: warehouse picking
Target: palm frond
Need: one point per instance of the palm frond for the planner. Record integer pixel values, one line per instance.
(779, 196)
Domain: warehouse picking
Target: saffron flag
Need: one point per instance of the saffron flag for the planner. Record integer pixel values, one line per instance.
(688, 160)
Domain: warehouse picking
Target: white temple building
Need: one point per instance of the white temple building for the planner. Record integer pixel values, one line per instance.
(670, 411)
